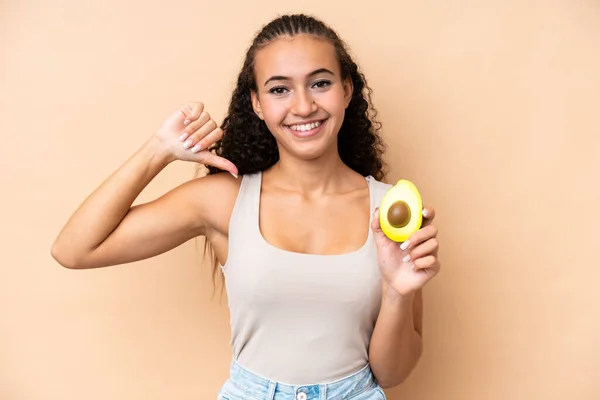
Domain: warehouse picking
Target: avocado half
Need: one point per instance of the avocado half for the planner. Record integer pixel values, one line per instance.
(400, 211)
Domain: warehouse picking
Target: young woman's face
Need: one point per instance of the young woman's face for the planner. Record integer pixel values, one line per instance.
(301, 95)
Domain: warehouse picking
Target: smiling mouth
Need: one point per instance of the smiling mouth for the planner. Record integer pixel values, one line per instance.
(305, 127)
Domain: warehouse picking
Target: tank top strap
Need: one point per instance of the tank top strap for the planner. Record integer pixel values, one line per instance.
(243, 223)
(378, 190)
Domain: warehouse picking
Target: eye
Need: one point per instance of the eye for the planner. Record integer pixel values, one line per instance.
(279, 90)
(322, 84)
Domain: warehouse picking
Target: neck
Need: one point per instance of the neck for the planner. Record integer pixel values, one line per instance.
(310, 177)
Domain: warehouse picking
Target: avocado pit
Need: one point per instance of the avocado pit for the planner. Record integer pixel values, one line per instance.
(398, 214)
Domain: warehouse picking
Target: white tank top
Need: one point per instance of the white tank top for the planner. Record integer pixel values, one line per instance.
(298, 318)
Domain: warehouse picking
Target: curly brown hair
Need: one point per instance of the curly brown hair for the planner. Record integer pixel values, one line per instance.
(248, 143)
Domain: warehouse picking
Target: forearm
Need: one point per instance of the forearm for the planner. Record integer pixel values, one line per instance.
(103, 210)
(396, 345)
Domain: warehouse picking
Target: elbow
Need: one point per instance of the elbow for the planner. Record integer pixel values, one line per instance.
(385, 386)
(391, 384)
(391, 380)
(65, 258)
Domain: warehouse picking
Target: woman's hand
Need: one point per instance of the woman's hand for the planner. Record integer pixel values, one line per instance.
(189, 132)
(407, 267)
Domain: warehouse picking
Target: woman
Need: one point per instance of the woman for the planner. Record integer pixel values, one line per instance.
(323, 305)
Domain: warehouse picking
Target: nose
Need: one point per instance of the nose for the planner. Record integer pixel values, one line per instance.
(303, 104)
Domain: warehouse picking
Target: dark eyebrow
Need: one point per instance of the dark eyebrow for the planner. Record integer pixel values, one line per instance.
(285, 78)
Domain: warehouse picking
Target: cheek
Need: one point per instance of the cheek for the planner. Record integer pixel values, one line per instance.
(334, 102)
(274, 111)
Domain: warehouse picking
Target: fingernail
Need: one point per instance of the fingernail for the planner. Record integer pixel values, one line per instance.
(184, 136)
(187, 121)
(234, 175)
(196, 148)
(424, 212)
(413, 266)
(187, 144)
(405, 245)
(406, 258)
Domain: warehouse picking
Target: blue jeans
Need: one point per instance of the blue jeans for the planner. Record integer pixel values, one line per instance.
(245, 385)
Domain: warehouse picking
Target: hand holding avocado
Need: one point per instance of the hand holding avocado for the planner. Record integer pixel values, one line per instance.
(406, 240)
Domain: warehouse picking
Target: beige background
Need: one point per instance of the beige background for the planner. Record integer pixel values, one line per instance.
(471, 94)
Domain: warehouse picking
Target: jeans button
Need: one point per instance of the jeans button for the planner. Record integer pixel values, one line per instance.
(301, 396)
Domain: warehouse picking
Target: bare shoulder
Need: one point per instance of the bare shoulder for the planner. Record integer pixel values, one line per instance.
(213, 196)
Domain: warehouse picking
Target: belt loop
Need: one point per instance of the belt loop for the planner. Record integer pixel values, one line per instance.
(271, 393)
(323, 391)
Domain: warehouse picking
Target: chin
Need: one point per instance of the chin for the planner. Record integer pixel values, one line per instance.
(310, 150)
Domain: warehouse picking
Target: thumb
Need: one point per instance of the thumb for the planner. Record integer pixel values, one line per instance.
(222, 163)
(375, 226)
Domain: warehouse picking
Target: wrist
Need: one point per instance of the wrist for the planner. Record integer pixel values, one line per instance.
(156, 150)
(393, 298)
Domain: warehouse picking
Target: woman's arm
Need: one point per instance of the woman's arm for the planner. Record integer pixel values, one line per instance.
(396, 344)
(106, 230)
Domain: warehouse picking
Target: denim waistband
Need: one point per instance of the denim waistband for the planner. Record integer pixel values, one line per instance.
(263, 388)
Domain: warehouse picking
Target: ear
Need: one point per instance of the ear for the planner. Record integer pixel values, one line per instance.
(256, 104)
(348, 90)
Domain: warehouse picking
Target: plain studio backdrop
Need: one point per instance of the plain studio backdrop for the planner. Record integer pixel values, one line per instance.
(490, 107)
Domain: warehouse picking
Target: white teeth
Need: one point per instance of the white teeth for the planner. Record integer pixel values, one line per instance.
(305, 127)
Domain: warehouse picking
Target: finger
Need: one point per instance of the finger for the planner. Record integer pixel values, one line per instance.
(380, 237)
(375, 226)
(420, 236)
(428, 216)
(191, 111)
(429, 262)
(423, 250)
(199, 134)
(208, 140)
(195, 125)
(209, 158)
